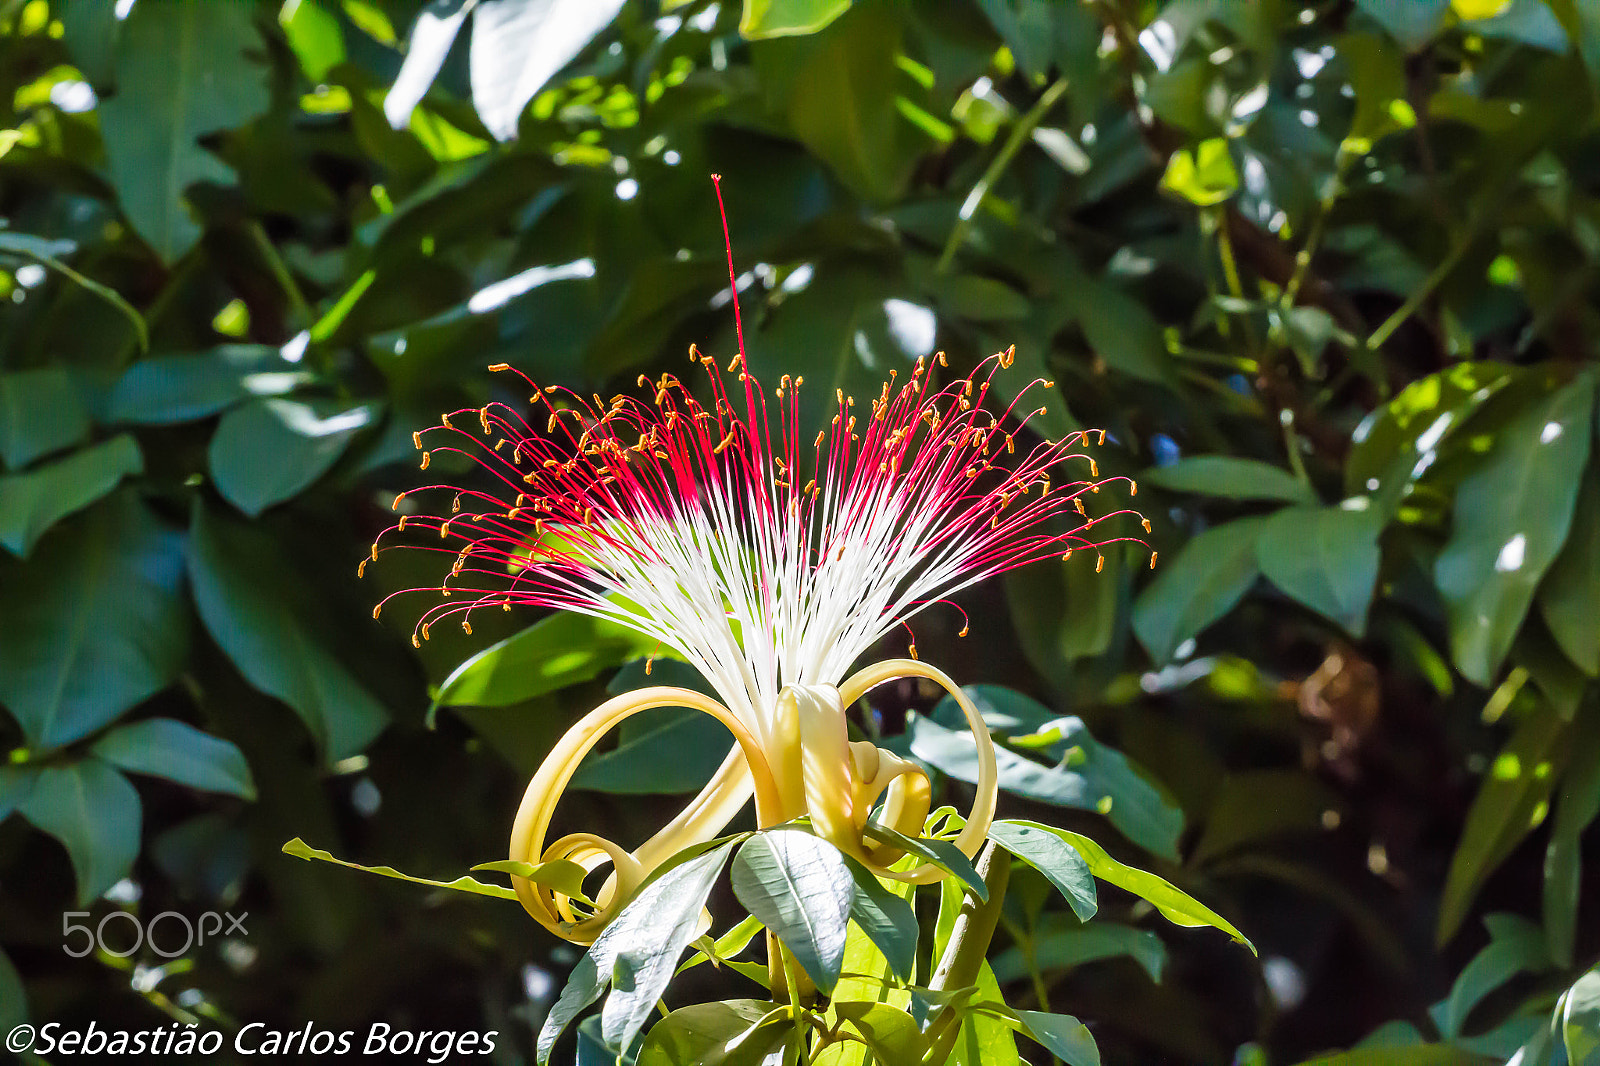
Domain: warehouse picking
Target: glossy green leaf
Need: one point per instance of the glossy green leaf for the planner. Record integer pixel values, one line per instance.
(184, 69)
(555, 652)
(1326, 558)
(1570, 590)
(637, 953)
(40, 413)
(837, 96)
(1063, 1036)
(1051, 856)
(181, 388)
(889, 1032)
(267, 451)
(1208, 576)
(785, 18)
(1515, 945)
(33, 502)
(301, 850)
(1412, 23)
(798, 886)
(1093, 777)
(1175, 905)
(1396, 443)
(271, 625)
(734, 1032)
(15, 784)
(1580, 1021)
(1231, 478)
(940, 853)
(886, 918)
(1511, 519)
(177, 751)
(519, 45)
(95, 623)
(1577, 807)
(95, 813)
(314, 35)
(427, 45)
(1510, 804)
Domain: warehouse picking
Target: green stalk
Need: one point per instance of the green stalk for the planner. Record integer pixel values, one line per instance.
(1020, 132)
(969, 944)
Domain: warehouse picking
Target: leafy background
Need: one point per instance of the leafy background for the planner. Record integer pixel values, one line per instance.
(1325, 273)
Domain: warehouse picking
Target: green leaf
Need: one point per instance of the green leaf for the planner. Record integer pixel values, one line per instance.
(15, 784)
(272, 626)
(983, 1040)
(1399, 441)
(1572, 587)
(941, 853)
(301, 850)
(95, 813)
(786, 18)
(181, 388)
(1326, 558)
(40, 413)
(1510, 804)
(1577, 807)
(94, 624)
(13, 997)
(798, 886)
(637, 953)
(886, 918)
(31, 503)
(1231, 478)
(165, 747)
(551, 654)
(1515, 945)
(314, 36)
(734, 1032)
(268, 451)
(1067, 948)
(1210, 574)
(185, 68)
(1175, 905)
(1120, 329)
(1511, 519)
(426, 48)
(519, 45)
(1413, 23)
(1580, 1023)
(1063, 1036)
(1051, 856)
(1205, 176)
(838, 94)
(890, 1033)
(563, 875)
(44, 252)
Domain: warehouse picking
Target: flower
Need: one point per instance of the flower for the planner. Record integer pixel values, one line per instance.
(697, 524)
(768, 559)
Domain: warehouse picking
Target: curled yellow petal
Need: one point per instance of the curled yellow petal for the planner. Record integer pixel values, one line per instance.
(744, 769)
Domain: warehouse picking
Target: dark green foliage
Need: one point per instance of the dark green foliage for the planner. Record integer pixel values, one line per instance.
(1328, 276)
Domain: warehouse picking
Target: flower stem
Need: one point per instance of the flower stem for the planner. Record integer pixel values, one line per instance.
(969, 944)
